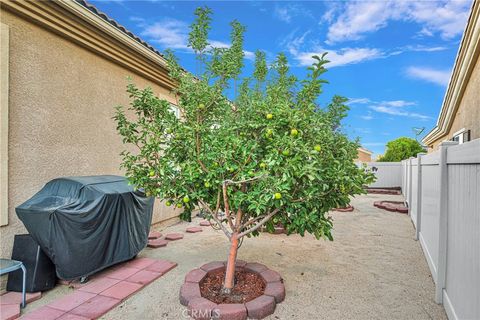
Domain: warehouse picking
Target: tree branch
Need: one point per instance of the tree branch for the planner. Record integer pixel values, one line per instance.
(249, 222)
(258, 225)
(226, 206)
(214, 216)
(244, 181)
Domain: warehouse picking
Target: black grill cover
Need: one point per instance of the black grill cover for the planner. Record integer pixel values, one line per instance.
(85, 224)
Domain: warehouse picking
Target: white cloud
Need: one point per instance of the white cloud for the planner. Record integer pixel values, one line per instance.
(421, 48)
(287, 12)
(297, 47)
(391, 107)
(440, 77)
(367, 117)
(169, 33)
(397, 112)
(358, 101)
(282, 14)
(341, 57)
(355, 19)
(397, 109)
(358, 18)
(397, 103)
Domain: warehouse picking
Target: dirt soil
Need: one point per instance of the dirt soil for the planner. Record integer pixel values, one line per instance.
(374, 269)
(248, 286)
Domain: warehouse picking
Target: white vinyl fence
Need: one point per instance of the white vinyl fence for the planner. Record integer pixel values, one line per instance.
(388, 174)
(443, 193)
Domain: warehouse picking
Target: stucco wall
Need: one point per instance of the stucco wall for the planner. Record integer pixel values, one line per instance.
(364, 156)
(468, 113)
(62, 100)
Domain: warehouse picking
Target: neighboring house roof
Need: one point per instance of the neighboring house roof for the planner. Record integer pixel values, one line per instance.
(365, 150)
(464, 63)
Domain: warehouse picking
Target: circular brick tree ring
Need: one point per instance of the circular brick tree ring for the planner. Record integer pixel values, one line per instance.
(258, 308)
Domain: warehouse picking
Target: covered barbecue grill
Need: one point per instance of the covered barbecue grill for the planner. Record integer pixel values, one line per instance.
(85, 224)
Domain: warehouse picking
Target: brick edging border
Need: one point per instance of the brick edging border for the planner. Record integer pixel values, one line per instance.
(258, 308)
(393, 206)
(348, 208)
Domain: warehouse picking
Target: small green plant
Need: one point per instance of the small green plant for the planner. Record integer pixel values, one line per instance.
(271, 156)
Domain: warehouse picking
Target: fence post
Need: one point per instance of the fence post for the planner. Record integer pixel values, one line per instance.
(409, 197)
(443, 221)
(419, 195)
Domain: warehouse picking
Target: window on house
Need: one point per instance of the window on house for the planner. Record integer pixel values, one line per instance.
(175, 110)
(461, 136)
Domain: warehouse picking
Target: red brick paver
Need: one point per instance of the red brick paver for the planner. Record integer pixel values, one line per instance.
(16, 297)
(270, 276)
(276, 290)
(212, 266)
(194, 229)
(195, 275)
(205, 223)
(70, 316)
(98, 296)
(201, 308)
(95, 307)
(43, 313)
(260, 307)
(157, 243)
(162, 266)
(122, 290)
(71, 301)
(393, 206)
(230, 312)
(140, 263)
(174, 236)
(98, 285)
(189, 291)
(154, 235)
(10, 311)
(121, 272)
(144, 277)
(255, 267)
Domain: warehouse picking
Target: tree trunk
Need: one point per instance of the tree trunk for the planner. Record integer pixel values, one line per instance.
(230, 271)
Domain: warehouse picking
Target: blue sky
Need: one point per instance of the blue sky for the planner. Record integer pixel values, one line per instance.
(393, 59)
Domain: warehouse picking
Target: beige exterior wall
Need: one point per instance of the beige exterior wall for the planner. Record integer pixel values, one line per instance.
(364, 156)
(61, 103)
(468, 113)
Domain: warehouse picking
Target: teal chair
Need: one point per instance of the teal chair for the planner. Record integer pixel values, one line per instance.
(7, 266)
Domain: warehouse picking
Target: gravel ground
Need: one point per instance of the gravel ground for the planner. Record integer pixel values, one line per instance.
(374, 269)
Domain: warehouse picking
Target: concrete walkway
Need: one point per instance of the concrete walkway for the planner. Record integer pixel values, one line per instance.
(373, 270)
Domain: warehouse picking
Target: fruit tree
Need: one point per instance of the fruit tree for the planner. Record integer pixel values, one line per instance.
(270, 155)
